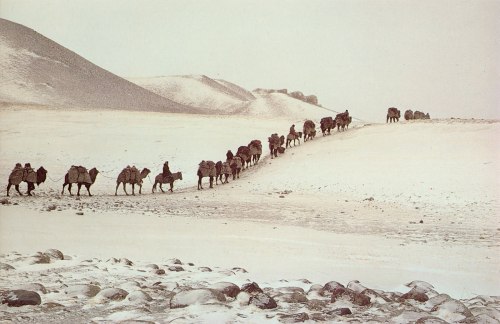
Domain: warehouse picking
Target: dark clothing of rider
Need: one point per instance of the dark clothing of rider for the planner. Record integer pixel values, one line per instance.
(166, 170)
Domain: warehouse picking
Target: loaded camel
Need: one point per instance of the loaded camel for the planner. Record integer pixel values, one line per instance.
(28, 175)
(80, 176)
(393, 115)
(326, 124)
(132, 176)
(160, 179)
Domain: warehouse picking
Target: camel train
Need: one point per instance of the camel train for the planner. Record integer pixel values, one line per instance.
(245, 157)
(393, 115)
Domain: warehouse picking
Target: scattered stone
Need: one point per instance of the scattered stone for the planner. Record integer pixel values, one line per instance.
(294, 298)
(116, 294)
(85, 290)
(251, 288)
(79, 213)
(174, 261)
(238, 269)
(126, 261)
(40, 258)
(227, 288)
(243, 298)
(152, 266)
(175, 268)
(37, 287)
(416, 294)
(205, 269)
(6, 267)
(54, 254)
(263, 301)
(19, 297)
(159, 272)
(51, 207)
(196, 296)
(330, 288)
(452, 311)
(139, 297)
(294, 318)
(369, 199)
(316, 304)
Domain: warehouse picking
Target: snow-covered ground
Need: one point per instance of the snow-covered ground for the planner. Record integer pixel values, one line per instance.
(385, 204)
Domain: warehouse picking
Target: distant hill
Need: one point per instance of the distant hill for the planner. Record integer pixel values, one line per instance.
(223, 97)
(37, 70)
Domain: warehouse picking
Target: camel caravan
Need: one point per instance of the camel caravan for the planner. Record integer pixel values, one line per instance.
(393, 115)
(245, 157)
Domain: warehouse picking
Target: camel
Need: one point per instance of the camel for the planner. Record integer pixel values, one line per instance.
(246, 158)
(393, 115)
(274, 143)
(349, 121)
(80, 176)
(309, 130)
(342, 120)
(421, 115)
(326, 124)
(160, 179)
(236, 165)
(132, 176)
(20, 174)
(293, 137)
(218, 172)
(255, 147)
(409, 115)
(206, 169)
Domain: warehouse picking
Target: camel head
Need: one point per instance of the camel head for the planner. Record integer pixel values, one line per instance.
(41, 175)
(93, 174)
(145, 172)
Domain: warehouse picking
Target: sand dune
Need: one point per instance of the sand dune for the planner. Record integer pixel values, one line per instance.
(37, 70)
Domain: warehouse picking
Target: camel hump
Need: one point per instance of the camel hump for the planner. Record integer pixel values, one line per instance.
(78, 174)
(16, 176)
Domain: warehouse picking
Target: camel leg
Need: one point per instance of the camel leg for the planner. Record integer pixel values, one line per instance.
(79, 185)
(125, 189)
(161, 187)
(133, 189)
(88, 189)
(171, 187)
(116, 190)
(199, 183)
(69, 189)
(154, 187)
(211, 182)
(31, 187)
(140, 189)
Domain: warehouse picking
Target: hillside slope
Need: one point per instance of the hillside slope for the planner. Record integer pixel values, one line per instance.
(37, 70)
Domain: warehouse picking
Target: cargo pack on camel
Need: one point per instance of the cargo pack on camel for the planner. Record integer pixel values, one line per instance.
(80, 176)
(131, 175)
(206, 169)
(28, 175)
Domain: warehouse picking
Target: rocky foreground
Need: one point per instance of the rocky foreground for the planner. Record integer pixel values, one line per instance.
(52, 287)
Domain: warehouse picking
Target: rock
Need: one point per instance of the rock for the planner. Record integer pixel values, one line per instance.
(316, 304)
(430, 320)
(251, 288)
(196, 296)
(5, 201)
(174, 261)
(227, 288)
(416, 294)
(116, 294)
(52, 305)
(294, 318)
(33, 287)
(330, 288)
(263, 301)
(359, 299)
(126, 261)
(356, 286)
(19, 297)
(159, 272)
(294, 298)
(86, 290)
(238, 269)
(40, 258)
(175, 268)
(139, 296)
(205, 269)
(344, 311)
(6, 267)
(54, 254)
(452, 311)
(152, 266)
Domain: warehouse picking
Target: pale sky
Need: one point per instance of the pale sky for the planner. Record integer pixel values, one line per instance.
(440, 57)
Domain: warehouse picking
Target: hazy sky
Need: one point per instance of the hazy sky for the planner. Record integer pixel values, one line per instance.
(440, 57)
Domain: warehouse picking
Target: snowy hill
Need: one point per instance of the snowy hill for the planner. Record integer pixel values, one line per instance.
(36, 70)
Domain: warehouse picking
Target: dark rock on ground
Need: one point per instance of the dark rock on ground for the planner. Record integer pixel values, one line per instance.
(19, 297)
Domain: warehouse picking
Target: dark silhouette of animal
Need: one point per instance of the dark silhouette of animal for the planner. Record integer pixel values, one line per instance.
(28, 175)
(282, 140)
(326, 124)
(218, 172)
(226, 171)
(131, 176)
(160, 179)
(206, 169)
(309, 130)
(393, 115)
(236, 166)
(421, 115)
(408, 114)
(244, 153)
(255, 147)
(293, 137)
(274, 143)
(80, 176)
(342, 120)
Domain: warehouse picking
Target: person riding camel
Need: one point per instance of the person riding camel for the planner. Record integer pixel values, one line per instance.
(229, 156)
(292, 130)
(166, 170)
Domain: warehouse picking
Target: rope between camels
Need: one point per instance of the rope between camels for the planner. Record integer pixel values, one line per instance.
(50, 178)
